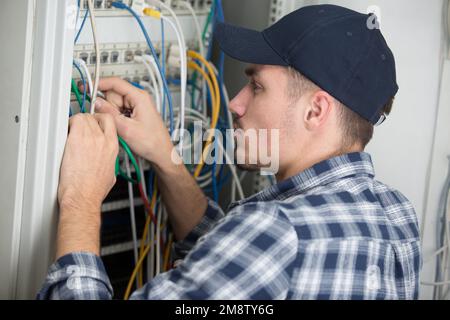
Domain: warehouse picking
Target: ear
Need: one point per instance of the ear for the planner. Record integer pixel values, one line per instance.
(318, 111)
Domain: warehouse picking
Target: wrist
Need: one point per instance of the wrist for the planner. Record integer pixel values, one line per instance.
(78, 230)
(76, 203)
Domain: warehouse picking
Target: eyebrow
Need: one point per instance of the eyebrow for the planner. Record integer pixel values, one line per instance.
(251, 72)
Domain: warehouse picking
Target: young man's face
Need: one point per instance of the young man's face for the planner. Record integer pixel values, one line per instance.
(267, 117)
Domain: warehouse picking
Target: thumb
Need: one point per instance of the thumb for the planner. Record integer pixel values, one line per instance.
(104, 106)
(125, 126)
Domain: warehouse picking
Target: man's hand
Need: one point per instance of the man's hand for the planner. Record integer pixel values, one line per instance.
(87, 175)
(146, 134)
(144, 129)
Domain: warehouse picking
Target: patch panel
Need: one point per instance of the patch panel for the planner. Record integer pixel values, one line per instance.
(105, 8)
(118, 60)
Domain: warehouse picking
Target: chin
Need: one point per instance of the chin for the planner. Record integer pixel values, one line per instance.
(247, 166)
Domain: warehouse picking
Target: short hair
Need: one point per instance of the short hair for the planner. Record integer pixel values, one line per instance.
(355, 129)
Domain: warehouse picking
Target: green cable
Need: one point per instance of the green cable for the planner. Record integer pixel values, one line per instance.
(208, 21)
(121, 141)
(119, 171)
(76, 92)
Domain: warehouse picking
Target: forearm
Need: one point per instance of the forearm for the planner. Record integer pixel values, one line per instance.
(78, 229)
(185, 202)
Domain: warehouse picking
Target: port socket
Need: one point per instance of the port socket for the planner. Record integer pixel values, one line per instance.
(98, 4)
(129, 56)
(84, 56)
(104, 57)
(93, 59)
(114, 57)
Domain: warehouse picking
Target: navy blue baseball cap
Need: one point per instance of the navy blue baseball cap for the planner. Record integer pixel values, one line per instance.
(342, 51)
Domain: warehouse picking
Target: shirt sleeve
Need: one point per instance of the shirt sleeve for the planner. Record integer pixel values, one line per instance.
(248, 255)
(77, 276)
(212, 216)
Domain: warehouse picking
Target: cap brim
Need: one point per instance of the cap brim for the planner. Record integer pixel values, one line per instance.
(246, 45)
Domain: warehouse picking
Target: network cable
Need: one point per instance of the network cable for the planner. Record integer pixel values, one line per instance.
(183, 61)
(121, 5)
(97, 52)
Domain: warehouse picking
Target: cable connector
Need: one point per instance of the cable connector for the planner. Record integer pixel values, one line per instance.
(173, 59)
(152, 13)
(139, 6)
(138, 59)
(119, 5)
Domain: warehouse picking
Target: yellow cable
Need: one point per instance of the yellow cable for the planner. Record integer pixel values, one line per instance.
(215, 113)
(215, 99)
(146, 228)
(167, 254)
(152, 13)
(133, 275)
(216, 105)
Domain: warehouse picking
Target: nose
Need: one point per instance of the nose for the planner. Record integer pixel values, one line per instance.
(238, 105)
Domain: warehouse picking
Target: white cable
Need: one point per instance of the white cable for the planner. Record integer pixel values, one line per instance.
(147, 86)
(153, 79)
(183, 78)
(158, 242)
(442, 283)
(201, 46)
(445, 270)
(97, 53)
(437, 252)
(132, 212)
(183, 61)
(237, 182)
(80, 63)
(233, 170)
(151, 262)
(151, 60)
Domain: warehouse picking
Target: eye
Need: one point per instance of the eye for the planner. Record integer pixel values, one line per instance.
(255, 86)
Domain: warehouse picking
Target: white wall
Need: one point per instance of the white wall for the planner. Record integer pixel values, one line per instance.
(402, 148)
(15, 60)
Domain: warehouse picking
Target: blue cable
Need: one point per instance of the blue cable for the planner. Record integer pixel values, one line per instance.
(151, 176)
(84, 87)
(121, 5)
(78, 11)
(137, 85)
(81, 27)
(213, 171)
(220, 18)
(221, 182)
(163, 75)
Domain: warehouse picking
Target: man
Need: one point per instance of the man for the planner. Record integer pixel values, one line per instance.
(326, 230)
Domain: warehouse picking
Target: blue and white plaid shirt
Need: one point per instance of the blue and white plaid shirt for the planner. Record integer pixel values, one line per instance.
(330, 232)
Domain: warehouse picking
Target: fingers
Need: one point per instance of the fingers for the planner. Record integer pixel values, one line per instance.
(104, 106)
(114, 98)
(118, 85)
(107, 124)
(125, 126)
(93, 125)
(76, 122)
(98, 124)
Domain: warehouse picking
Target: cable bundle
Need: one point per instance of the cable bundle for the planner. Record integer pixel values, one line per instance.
(209, 100)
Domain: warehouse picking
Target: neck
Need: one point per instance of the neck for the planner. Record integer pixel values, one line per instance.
(307, 159)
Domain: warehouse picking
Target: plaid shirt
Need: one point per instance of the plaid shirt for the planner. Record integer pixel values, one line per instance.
(330, 232)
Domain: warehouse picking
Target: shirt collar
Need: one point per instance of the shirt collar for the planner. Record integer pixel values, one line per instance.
(320, 174)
